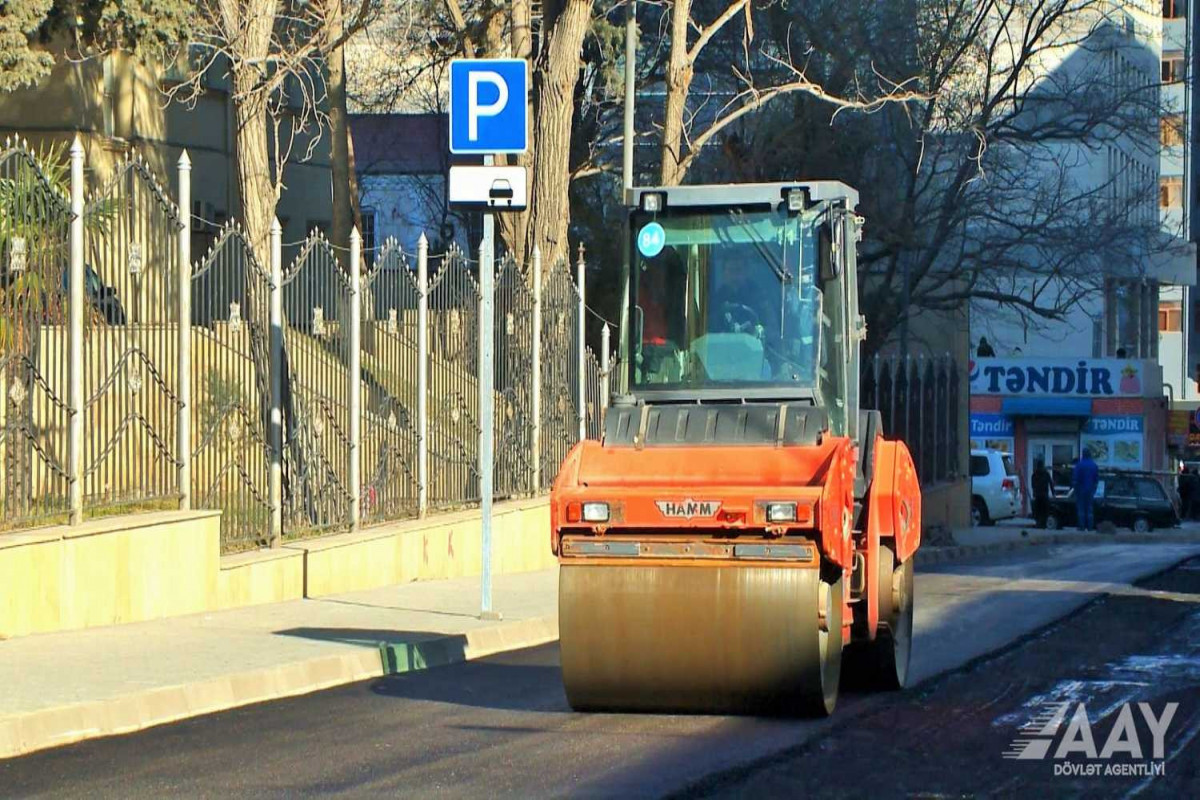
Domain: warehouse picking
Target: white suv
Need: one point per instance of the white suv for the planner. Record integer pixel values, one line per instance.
(995, 488)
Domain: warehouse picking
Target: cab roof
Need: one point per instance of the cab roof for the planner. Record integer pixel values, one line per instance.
(744, 194)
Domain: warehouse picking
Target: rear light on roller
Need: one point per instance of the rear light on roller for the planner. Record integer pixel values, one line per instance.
(572, 512)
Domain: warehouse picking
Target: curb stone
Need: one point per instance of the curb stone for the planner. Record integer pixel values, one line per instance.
(25, 733)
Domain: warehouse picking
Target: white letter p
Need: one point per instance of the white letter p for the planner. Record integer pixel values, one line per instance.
(474, 109)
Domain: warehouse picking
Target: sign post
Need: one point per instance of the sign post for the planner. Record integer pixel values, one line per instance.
(489, 102)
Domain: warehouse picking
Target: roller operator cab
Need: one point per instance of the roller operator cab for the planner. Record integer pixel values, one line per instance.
(742, 523)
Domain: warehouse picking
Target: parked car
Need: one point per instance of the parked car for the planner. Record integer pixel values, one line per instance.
(995, 487)
(1131, 500)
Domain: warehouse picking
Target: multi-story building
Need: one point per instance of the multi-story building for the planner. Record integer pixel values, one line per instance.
(117, 106)
(1179, 312)
(1091, 376)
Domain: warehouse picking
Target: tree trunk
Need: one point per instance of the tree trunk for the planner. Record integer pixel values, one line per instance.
(514, 227)
(339, 146)
(554, 107)
(679, 83)
(255, 172)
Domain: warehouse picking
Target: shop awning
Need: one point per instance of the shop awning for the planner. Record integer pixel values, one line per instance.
(1046, 406)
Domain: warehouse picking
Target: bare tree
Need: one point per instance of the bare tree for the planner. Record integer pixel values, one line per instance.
(742, 77)
(1022, 176)
(275, 55)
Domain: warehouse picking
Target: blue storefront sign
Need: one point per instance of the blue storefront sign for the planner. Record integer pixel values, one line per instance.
(991, 426)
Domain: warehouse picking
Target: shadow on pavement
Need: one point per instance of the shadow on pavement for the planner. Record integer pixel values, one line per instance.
(515, 681)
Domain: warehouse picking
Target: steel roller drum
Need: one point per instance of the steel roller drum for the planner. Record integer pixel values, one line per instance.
(715, 639)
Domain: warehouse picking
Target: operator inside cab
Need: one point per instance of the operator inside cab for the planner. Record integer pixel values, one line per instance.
(727, 298)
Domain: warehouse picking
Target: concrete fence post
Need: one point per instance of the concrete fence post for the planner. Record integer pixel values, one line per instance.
(354, 376)
(422, 375)
(183, 426)
(535, 406)
(75, 303)
(275, 360)
(582, 349)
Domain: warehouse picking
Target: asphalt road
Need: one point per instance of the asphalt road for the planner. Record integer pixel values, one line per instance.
(501, 726)
(959, 730)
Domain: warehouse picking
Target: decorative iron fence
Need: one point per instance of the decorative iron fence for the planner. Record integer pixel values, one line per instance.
(34, 414)
(321, 396)
(230, 454)
(131, 341)
(919, 400)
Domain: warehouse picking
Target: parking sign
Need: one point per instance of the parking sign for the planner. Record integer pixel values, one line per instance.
(488, 103)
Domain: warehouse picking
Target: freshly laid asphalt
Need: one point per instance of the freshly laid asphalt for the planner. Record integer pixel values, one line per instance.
(501, 726)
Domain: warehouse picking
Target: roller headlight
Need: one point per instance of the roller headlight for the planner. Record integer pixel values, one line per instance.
(781, 512)
(595, 512)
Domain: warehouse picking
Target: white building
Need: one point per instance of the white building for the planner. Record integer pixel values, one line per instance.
(1112, 299)
(1178, 313)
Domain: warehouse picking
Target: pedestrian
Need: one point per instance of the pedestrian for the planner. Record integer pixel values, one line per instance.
(1193, 483)
(984, 350)
(1187, 498)
(1041, 482)
(1085, 478)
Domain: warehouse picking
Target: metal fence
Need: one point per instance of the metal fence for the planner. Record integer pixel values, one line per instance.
(919, 400)
(315, 396)
(34, 414)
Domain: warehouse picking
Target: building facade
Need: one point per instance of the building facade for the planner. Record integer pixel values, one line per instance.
(1178, 314)
(117, 107)
(1050, 409)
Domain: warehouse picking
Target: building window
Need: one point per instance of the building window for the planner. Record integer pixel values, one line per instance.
(1170, 317)
(1170, 130)
(1170, 193)
(1174, 9)
(1172, 67)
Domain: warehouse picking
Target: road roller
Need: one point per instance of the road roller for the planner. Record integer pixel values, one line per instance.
(742, 528)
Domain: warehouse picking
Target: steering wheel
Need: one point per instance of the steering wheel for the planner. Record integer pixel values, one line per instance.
(740, 318)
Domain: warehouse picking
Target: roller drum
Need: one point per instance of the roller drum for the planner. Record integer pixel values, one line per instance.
(707, 639)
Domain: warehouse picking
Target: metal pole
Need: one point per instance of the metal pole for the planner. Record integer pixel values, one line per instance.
(487, 291)
(630, 97)
(536, 391)
(183, 426)
(75, 301)
(422, 375)
(275, 487)
(604, 365)
(582, 348)
(354, 360)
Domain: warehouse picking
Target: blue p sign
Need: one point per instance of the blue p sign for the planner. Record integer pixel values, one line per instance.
(488, 102)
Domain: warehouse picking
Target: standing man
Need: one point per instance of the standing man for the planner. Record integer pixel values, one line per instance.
(1085, 478)
(1041, 482)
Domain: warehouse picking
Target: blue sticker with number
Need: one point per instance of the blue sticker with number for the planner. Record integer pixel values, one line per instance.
(651, 240)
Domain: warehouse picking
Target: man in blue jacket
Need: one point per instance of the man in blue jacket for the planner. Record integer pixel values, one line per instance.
(1085, 477)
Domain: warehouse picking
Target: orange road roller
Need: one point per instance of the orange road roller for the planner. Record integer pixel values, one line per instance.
(742, 528)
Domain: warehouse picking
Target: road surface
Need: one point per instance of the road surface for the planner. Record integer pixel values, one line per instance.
(501, 726)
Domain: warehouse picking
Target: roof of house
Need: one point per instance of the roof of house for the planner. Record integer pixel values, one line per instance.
(401, 144)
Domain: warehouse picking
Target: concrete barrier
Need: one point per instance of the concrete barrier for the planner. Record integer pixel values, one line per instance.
(148, 566)
(109, 571)
(436, 548)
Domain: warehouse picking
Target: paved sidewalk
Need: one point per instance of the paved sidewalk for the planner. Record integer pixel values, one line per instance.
(64, 687)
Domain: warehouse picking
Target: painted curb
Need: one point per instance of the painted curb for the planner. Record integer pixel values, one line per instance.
(21, 734)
